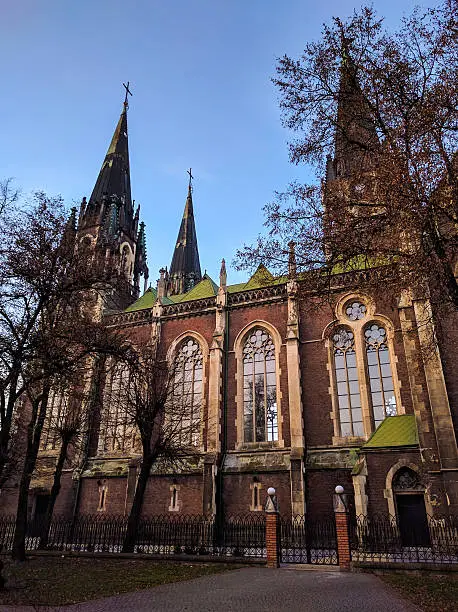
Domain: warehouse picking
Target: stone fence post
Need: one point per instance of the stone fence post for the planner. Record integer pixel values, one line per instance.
(272, 529)
(342, 529)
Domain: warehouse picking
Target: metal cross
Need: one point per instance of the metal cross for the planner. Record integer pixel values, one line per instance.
(128, 92)
(190, 175)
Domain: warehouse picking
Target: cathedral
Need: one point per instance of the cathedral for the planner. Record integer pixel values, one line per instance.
(286, 393)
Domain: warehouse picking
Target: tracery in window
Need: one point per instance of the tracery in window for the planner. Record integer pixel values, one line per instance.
(260, 418)
(119, 433)
(55, 415)
(380, 374)
(348, 392)
(187, 392)
(355, 310)
(407, 479)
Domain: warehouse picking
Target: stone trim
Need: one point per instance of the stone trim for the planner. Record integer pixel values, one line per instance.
(388, 492)
(185, 308)
(256, 296)
(175, 507)
(256, 507)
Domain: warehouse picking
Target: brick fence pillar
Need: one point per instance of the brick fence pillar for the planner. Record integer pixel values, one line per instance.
(272, 529)
(342, 529)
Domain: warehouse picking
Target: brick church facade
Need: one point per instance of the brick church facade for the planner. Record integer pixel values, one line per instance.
(289, 391)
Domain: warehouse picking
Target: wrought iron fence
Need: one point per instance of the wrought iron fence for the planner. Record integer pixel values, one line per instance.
(383, 539)
(236, 536)
(308, 541)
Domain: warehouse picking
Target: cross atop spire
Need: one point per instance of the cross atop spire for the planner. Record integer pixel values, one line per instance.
(128, 93)
(190, 180)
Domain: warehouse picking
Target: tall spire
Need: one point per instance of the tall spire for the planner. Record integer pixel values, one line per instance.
(109, 218)
(114, 175)
(356, 138)
(185, 267)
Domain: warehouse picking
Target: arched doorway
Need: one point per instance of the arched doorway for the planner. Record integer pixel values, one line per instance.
(410, 507)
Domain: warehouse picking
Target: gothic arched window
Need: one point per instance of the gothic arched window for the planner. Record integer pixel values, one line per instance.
(55, 416)
(380, 374)
(186, 394)
(260, 418)
(119, 434)
(348, 392)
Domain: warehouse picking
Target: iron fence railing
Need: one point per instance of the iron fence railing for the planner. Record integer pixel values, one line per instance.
(373, 539)
(308, 541)
(383, 539)
(237, 536)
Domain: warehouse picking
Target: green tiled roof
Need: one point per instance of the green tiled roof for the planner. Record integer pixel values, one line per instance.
(394, 431)
(236, 288)
(361, 262)
(206, 288)
(145, 301)
(260, 278)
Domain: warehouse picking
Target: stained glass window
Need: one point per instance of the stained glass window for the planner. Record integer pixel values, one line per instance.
(119, 433)
(187, 392)
(260, 418)
(355, 311)
(380, 374)
(55, 416)
(348, 392)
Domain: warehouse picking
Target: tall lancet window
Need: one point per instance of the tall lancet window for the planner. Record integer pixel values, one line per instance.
(186, 403)
(260, 418)
(119, 433)
(380, 374)
(348, 392)
(55, 417)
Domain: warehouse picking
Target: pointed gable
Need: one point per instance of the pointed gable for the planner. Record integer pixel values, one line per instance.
(260, 278)
(147, 300)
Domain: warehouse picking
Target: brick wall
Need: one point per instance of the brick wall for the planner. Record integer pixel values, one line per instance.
(237, 493)
(378, 465)
(320, 486)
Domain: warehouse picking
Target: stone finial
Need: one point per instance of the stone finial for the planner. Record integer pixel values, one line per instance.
(340, 501)
(223, 275)
(161, 283)
(271, 503)
(82, 209)
(292, 259)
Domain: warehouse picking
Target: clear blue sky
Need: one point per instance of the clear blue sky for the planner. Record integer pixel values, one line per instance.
(200, 72)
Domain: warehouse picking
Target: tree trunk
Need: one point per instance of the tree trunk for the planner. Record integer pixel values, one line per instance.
(5, 429)
(135, 511)
(54, 492)
(34, 430)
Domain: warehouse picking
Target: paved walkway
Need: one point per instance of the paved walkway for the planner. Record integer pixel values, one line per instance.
(255, 589)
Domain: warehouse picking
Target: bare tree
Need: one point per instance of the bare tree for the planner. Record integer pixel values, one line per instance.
(47, 328)
(158, 398)
(383, 107)
(9, 195)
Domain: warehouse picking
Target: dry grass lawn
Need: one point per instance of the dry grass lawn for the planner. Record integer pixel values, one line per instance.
(58, 581)
(429, 592)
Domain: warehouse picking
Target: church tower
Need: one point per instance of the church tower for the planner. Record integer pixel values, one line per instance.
(185, 267)
(356, 141)
(108, 226)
